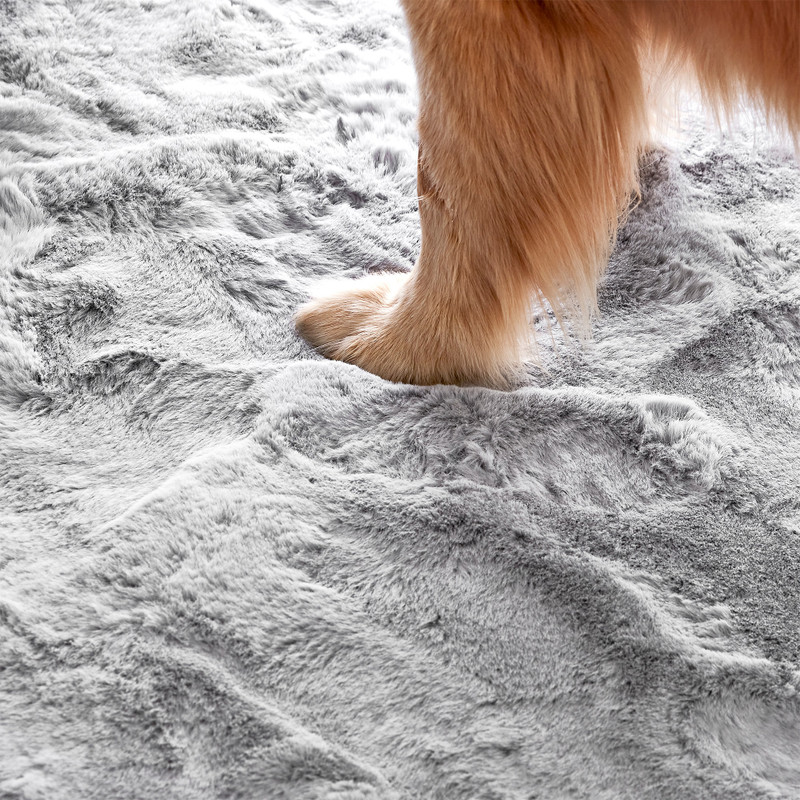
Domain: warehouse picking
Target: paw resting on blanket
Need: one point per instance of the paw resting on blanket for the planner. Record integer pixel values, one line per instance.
(346, 322)
(387, 325)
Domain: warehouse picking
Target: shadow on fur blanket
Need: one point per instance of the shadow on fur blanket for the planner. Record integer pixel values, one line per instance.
(229, 568)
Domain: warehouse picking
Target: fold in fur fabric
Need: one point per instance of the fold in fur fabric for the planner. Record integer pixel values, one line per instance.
(231, 568)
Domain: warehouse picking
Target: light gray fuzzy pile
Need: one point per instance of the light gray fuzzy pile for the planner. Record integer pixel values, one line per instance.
(232, 569)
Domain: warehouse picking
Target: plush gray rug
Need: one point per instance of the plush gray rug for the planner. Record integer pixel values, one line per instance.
(229, 568)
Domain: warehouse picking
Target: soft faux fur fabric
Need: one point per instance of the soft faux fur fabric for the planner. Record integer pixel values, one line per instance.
(230, 568)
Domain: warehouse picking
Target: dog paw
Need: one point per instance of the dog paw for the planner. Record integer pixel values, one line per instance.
(354, 321)
(345, 316)
(385, 325)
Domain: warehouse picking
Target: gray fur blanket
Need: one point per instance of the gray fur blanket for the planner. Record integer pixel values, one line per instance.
(232, 569)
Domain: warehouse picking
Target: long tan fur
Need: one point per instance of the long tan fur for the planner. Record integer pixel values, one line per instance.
(532, 118)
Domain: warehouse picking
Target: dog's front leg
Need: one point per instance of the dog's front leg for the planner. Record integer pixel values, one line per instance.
(531, 117)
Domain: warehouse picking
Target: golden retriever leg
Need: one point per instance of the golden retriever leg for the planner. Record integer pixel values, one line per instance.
(735, 47)
(531, 119)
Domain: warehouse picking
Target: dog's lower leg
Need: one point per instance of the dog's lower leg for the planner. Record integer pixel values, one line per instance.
(531, 118)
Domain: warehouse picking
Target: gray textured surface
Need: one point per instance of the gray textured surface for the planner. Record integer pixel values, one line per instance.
(229, 568)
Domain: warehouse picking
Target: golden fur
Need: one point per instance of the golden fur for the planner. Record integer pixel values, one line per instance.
(533, 114)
